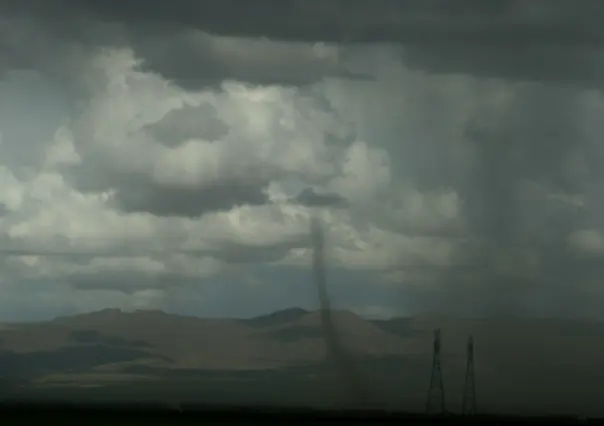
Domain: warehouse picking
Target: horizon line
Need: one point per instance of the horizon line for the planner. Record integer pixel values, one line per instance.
(304, 311)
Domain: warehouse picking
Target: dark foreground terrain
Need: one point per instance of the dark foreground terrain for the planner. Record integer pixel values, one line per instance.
(522, 366)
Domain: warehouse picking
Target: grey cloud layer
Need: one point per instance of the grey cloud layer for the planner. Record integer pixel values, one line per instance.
(310, 198)
(178, 201)
(492, 177)
(185, 54)
(382, 20)
(537, 40)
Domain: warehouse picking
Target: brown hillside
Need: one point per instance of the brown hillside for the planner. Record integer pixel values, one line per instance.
(295, 336)
(190, 342)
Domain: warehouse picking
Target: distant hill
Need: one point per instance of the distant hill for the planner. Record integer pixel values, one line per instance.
(294, 336)
(275, 318)
(288, 337)
(555, 360)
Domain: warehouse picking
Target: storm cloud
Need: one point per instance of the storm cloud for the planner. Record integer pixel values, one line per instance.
(193, 43)
(451, 150)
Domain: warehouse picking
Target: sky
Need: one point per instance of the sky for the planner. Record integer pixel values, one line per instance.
(172, 156)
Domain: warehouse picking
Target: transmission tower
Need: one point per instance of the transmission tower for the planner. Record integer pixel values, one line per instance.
(436, 392)
(469, 393)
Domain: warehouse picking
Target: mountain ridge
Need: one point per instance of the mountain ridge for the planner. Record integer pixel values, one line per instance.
(515, 357)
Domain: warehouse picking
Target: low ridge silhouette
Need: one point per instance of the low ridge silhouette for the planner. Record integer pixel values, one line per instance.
(515, 359)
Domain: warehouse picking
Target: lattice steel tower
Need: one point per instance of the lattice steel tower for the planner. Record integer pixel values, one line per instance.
(436, 392)
(469, 393)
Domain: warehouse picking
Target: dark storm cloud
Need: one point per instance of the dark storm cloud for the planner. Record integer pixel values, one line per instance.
(557, 289)
(187, 123)
(135, 192)
(533, 140)
(32, 40)
(379, 20)
(309, 198)
(185, 202)
(551, 63)
(37, 36)
(524, 155)
(194, 59)
(537, 40)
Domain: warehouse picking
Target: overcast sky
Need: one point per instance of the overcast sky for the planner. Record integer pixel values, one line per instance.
(170, 156)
